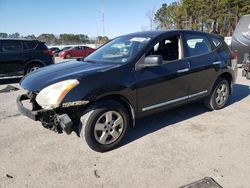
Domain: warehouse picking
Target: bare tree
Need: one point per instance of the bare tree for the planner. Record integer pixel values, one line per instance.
(150, 15)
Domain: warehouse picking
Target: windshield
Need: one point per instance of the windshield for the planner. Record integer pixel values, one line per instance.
(119, 50)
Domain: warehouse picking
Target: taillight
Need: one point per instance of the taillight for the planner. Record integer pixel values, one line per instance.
(233, 55)
(48, 52)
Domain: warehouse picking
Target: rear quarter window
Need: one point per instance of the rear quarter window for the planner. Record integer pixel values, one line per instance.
(42, 46)
(29, 45)
(216, 42)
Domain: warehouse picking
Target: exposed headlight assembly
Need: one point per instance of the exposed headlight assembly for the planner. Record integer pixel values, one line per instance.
(52, 96)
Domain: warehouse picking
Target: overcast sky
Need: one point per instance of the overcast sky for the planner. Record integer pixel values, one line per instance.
(76, 16)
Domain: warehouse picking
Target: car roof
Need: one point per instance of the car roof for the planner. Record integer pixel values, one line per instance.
(157, 33)
(20, 39)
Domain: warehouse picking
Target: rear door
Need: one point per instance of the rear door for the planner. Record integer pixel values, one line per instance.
(11, 58)
(76, 51)
(29, 50)
(204, 64)
(85, 51)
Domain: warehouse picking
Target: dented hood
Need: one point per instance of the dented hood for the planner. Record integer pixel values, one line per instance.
(48, 75)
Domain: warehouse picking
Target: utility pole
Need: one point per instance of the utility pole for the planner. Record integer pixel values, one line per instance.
(103, 20)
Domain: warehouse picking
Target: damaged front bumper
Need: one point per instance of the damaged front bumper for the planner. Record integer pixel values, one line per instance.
(49, 118)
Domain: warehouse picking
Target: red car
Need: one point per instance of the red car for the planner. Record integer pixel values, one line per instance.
(76, 52)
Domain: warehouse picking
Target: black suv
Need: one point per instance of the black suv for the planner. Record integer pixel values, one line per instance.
(130, 77)
(20, 56)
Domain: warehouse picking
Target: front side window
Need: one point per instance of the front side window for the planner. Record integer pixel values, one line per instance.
(169, 49)
(196, 45)
(119, 50)
(11, 46)
(76, 48)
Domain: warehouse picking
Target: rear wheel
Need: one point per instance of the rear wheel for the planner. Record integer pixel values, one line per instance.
(219, 96)
(104, 126)
(33, 67)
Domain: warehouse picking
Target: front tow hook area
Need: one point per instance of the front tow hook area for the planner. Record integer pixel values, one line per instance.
(65, 123)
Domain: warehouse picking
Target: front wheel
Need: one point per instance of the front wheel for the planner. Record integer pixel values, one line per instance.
(104, 126)
(219, 95)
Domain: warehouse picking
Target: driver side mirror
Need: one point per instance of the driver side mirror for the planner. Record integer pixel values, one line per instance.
(151, 61)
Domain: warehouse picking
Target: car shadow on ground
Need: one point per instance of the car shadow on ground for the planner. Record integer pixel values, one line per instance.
(10, 80)
(161, 120)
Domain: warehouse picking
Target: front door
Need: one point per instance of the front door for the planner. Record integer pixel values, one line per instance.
(163, 86)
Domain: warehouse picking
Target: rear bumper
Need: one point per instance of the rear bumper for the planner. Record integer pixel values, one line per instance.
(32, 114)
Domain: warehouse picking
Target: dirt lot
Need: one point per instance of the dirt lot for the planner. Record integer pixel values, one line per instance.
(170, 149)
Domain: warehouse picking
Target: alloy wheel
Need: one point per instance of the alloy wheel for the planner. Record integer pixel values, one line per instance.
(221, 94)
(32, 69)
(108, 127)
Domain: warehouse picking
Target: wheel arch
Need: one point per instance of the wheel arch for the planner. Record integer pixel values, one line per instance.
(32, 62)
(125, 102)
(229, 78)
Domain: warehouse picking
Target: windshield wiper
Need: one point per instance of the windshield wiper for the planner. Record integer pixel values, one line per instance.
(89, 61)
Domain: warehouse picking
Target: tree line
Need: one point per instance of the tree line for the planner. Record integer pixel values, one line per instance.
(216, 16)
(62, 39)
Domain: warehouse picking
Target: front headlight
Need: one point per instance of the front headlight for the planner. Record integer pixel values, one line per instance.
(52, 96)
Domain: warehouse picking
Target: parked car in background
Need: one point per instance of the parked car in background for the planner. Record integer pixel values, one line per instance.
(241, 39)
(55, 50)
(76, 52)
(60, 50)
(130, 77)
(21, 56)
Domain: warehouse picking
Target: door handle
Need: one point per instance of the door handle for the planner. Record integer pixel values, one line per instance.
(183, 70)
(216, 62)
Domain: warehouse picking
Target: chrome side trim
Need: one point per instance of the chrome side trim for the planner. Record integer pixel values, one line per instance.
(216, 62)
(164, 103)
(174, 101)
(183, 70)
(197, 94)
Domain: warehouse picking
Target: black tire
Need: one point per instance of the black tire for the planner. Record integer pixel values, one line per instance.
(32, 67)
(68, 56)
(244, 73)
(248, 75)
(89, 120)
(211, 101)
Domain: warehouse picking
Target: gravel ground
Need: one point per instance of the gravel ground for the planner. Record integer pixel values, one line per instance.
(170, 149)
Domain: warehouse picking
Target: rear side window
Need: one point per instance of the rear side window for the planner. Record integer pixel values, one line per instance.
(196, 45)
(29, 45)
(11, 46)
